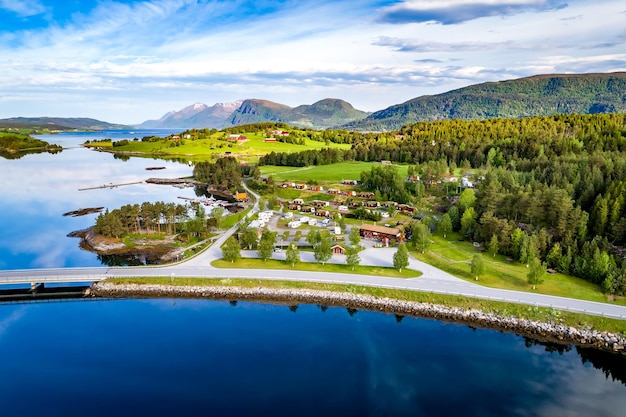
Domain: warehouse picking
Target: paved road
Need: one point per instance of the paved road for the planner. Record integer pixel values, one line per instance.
(432, 280)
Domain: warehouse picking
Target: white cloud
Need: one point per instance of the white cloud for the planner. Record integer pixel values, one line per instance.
(458, 11)
(23, 7)
(128, 63)
(14, 317)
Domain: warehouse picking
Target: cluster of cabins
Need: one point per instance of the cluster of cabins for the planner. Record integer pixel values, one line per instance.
(317, 207)
(324, 208)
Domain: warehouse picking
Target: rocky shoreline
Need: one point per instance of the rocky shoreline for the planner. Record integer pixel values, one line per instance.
(551, 332)
(158, 252)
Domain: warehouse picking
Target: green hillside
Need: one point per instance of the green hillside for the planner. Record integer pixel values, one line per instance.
(541, 95)
(257, 111)
(320, 115)
(325, 114)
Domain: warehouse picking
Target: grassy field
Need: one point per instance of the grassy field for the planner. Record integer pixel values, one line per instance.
(540, 314)
(455, 257)
(333, 173)
(252, 263)
(201, 149)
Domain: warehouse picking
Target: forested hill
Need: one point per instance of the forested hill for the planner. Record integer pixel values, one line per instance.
(541, 95)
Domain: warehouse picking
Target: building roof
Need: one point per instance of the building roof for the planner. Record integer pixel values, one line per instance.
(380, 229)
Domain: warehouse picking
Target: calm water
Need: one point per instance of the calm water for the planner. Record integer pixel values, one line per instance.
(200, 357)
(37, 189)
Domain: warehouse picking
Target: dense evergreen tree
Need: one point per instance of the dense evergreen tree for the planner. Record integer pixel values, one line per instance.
(352, 257)
(477, 267)
(323, 250)
(223, 173)
(292, 255)
(231, 250)
(401, 257)
(420, 236)
(266, 244)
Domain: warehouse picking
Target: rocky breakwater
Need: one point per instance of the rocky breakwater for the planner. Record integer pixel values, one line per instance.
(553, 332)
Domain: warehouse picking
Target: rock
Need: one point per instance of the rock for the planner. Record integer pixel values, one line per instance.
(553, 332)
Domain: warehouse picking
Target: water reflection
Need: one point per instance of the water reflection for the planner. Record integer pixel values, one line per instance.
(613, 366)
(39, 189)
(20, 154)
(205, 357)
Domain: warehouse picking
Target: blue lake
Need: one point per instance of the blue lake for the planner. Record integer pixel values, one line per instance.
(39, 188)
(200, 357)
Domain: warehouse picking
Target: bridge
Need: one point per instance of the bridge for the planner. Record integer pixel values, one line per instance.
(38, 277)
(433, 281)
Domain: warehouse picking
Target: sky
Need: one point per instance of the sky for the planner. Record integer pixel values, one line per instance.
(129, 61)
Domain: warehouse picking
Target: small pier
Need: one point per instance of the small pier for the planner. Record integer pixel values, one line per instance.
(111, 185)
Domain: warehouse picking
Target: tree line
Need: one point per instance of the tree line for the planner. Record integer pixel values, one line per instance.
(148, 218)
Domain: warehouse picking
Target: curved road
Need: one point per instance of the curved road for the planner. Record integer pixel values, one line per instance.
(433, 280)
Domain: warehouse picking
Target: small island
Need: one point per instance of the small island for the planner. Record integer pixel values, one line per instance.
(16, 145)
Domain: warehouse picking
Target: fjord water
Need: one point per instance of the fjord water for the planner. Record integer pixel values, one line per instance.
(38, 189)
(201, 357)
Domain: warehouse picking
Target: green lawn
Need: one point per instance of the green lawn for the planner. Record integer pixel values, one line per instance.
(455, 257)
(202, 148)
(231, 219)
(253, 263)
(332, 173)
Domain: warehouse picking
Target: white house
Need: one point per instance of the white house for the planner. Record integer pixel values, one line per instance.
(294, 224)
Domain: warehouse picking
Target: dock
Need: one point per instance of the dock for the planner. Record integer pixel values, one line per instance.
(111, 185)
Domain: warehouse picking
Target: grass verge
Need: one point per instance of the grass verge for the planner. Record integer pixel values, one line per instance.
(253, 263)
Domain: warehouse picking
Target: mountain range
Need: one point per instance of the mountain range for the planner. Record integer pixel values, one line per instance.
(198, 115)
(320, 115)
(59, 123)
(539, 95)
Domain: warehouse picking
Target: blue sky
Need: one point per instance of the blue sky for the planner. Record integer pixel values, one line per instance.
(129, 61)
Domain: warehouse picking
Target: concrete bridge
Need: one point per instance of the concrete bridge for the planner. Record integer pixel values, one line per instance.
(433, 281)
